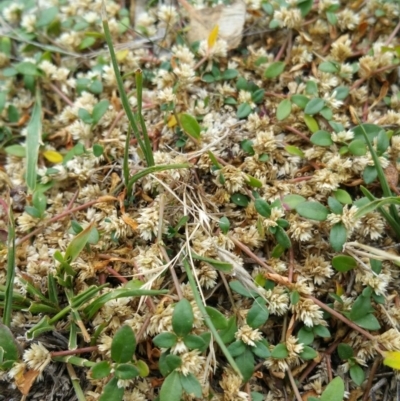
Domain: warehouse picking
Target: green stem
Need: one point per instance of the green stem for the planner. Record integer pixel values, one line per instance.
(207, 319)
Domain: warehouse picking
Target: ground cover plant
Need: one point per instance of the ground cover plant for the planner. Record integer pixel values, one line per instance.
(199, 200)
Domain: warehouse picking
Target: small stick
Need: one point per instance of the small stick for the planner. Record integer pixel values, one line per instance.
(294, 387)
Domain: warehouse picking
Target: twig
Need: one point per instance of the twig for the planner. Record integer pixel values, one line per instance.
(294, 387)
(369, 389)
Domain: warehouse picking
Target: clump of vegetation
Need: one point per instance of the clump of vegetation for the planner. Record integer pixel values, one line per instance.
(199, 200)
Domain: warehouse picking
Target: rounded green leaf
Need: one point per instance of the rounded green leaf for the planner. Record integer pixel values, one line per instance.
(182, 318)
(123, 345)
(338, 236)
(343, 263)
(280, 352)
(190, 125)
(308, 353)
(312, 211)
(343, 197)
(191, 385)
(237, 348)
(305, 336)
(8, 344)
(194, 342)
(99, 110)
(112, 392)
(275, 69)
(171, 389)
(243, 110)
(328, 66)
(218, 319)
(321, 331)
(357, 374)
(314, 106)
(300, 100)
(293, 200)
(368, 322)
(165, 340)
(327, 113)
(294, 150)
(142, 368)
(27, 68)
(311, 123)
(282, 238)
(15, 150)
(261, 349)
(345, 351)
(126, 371)
(284, 109)
(224, 224)
(262, 207)
(357, 147)
(334, 391)
(311, 87)
(257, 315)
(246, 364)
(240, 199)
(100, 370)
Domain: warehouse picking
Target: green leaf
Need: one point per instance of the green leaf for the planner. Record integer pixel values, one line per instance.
(229, 74)
(305, 6)
(224, 225)
(15, 150)
(327, 113)
(191, 385)
(368, 322)
(338, 236)
(305, 336)
(258, 314)
(78, 243)
(165, 340)
(194, 342)
(46, 16)
(275, 69)
(345, 351)
(87, 42)
(112, 392)
(238, 287)
(321, 138)
(294, 297)
(190, 125)
(34, 135)
(237, 348)
(182, 318)
(311, 123)
(300, 100)
(358, 147)
(328, 66)
(228, 334)
(282, 238)
(284, 109)
(247, 146)
(253, 182)
(98, 150)
(382, 142)
(294, 150)
(343, 263)
(341, 92)
(218, 319)
(8, 345)
(357, 374)
(262, 207)
(85, 116)
(311, 87)
(343, 197)
(334, 391)
(217, 264)
(39, 201)
(258, 96)
(99, 110)
(308, 353)
(246, 364)
(240, 199)
(321, 331)
(370, 174)
(293, 200)
(123, 345)
(335, 206)
(314, 106)
(171, 389)
(280, 352)
(27, 68)
(361, 307)
(126, 371)
(243, 110)
(100, 370)
(312, 211)
(261, 349)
